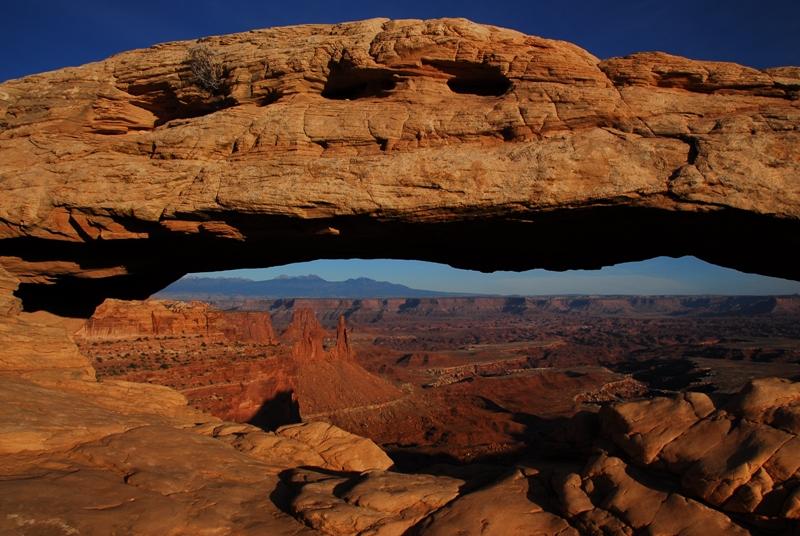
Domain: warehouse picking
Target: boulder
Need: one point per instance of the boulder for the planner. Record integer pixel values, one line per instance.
(341, 451)
(376, 503)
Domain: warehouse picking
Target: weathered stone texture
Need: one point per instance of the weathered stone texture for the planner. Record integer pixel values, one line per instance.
(391, 138)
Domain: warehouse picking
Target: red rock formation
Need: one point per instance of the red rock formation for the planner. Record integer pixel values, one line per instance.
(328, 382)
(342, 349)
(243, 326)
(116, 319)
(229, 363)
(223, 361)
(309, 339)
(305, 335)
(261, 392)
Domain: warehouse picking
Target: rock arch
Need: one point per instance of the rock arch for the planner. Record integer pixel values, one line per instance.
(351, 141)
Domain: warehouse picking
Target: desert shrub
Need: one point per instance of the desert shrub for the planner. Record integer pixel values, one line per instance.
(208, 72)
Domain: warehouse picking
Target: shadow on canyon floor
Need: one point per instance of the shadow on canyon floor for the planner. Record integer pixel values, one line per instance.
(277, 411)
(552, 440)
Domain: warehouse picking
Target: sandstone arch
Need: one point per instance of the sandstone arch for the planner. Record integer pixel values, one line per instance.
(454, 142)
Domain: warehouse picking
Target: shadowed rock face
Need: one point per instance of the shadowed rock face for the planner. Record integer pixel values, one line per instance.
(389, 139)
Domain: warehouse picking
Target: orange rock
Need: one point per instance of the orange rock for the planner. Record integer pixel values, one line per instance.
(378, 503)
(501, 509)
(342, 451)
(737, 460)
(762, 398)
(306, 336)
(116, 319)
(372, 138)
(387, 138)
(644, 428)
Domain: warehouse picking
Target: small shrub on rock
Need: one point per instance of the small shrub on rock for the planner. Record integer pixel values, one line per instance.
(208, 72)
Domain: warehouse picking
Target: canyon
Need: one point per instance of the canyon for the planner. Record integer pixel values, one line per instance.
(456, 378)
(440, 140)
(494, 395)
(231, 364)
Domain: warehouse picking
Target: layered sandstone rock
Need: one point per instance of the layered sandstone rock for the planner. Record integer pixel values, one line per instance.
(626, 501)
(378, 503)
(503, 508)
(742, 458)
(388, 138)
(116, 319)
(230, 363)
(142, 460)
(309, 444)
(224, 362)
(8, 284)
(341, 450)
(121, 444)
(148, 480)
(147, 464)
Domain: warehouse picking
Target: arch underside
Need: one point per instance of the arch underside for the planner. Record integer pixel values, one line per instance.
(588, 238)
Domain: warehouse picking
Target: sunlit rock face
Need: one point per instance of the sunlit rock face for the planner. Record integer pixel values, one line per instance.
(389, 139)
(231, 363)
(118, 320)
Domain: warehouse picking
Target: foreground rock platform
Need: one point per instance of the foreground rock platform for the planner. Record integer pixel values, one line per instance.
(388, 138)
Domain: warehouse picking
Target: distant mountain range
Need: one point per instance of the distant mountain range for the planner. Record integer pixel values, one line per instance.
(307, 286)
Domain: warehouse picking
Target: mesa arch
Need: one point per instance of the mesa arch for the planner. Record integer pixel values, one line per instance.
(441, 140)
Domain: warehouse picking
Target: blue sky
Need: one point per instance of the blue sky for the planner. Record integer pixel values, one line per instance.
(39, 35)
(662, 275)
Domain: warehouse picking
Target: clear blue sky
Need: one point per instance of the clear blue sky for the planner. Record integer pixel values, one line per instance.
(662, 275)
(39, 35)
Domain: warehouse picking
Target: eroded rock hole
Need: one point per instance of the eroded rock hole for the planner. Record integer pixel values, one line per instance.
(163, 101)
(269, 97)
(348, 82)
(473, 78)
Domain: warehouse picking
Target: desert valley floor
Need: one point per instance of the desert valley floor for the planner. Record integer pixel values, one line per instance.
(470, 388)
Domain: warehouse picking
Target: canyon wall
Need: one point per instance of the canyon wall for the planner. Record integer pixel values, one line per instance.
(130, 320)
(230, 363)
(377, 309)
